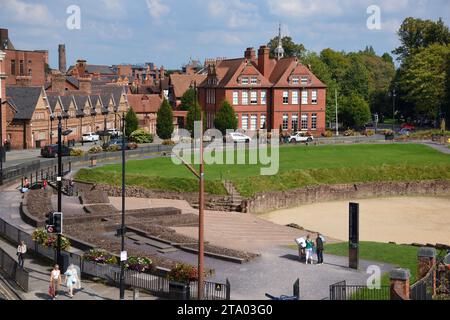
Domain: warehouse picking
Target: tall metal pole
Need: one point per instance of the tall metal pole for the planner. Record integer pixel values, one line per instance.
(337, 120)
(59, 181)
(393, 110)
(122, 263)
(201, 218)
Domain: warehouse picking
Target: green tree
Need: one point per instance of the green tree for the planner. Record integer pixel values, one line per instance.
(187, 99)
(422, 79)
(387, 58)
(356, 79)
(164, 121)
(354, 111)
(337, 62)
(194, 114)
(291, 49)
(417, 33)
(446, 108)
(131, 122)
(225, 118)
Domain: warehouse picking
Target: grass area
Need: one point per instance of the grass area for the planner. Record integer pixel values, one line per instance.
(399, 255)
(298, 167)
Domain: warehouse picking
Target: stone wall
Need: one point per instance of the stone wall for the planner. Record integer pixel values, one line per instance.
(293, 198)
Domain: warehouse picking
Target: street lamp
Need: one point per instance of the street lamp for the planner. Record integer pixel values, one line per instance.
(2, 150)
(59, 181)
(393, 109)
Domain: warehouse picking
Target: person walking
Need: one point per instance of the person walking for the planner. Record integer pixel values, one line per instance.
(55, 282)
(319, 248)
(72, 281)
(309, 249)
(21, 250)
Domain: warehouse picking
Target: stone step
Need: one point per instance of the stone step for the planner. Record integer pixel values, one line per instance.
(168, 250)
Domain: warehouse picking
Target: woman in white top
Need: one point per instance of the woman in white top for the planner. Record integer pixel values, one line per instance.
(21, 250)
(72, 280)
(55, 281)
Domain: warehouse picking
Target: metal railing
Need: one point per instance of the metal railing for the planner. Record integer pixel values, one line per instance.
(155, 284)
(342, 291)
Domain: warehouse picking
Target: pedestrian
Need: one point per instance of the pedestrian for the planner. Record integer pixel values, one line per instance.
(309, 249)
(25, 186)
(72, 281)
(44, 184)
(21, 250)
(319, 248)
(55, 282)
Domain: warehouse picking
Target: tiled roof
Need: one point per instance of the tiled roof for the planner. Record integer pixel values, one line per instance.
(24, 100)
(145, 103)
(182, 82)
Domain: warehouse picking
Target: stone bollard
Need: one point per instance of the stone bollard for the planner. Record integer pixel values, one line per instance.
(400, 284)
(427, 261)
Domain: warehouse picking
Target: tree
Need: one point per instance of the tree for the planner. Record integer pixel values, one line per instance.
(387, 58)
(194, 114)
(422, 78)
(417, 33)
(356, 79)
(164, 121)
(291, 49)
(225, 118)
(187, 99)
(337, 62)
(446, 107)
(131, 122)
(354, 111)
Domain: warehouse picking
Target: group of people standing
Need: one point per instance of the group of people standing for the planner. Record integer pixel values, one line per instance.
(72, 281)
(316, 246)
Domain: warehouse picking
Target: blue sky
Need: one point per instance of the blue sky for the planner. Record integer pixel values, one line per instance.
(169, 32)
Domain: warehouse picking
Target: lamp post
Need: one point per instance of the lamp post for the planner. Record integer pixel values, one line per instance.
(123, 227)
(2, 152)
(337, 120)
(393, 109)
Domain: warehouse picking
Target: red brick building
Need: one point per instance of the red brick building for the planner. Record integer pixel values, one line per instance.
(24, 68)
(266, 93)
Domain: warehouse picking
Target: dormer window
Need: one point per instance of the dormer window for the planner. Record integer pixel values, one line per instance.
(295, 80)
(244, 81)
(254, 81)
(304, 80)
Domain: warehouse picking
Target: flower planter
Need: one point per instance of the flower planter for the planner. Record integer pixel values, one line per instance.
(178, 291)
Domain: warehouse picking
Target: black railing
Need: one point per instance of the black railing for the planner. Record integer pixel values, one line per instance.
(156, 284)
(342, 291)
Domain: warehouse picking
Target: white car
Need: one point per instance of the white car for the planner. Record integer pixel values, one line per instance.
(90, 137)
(237, 137)
(301, 137)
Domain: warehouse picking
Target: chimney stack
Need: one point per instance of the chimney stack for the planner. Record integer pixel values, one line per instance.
(264, 60)
(58, 83)
(81, 68)
(62, 58)
(85, 84)
(162, 73)
(250, 54)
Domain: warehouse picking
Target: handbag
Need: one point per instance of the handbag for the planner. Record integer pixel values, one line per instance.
(51, 291)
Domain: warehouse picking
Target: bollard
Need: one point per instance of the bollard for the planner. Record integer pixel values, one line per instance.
(400, 288)
(427, 261)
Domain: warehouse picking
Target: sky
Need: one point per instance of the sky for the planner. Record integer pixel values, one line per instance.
(170, 32)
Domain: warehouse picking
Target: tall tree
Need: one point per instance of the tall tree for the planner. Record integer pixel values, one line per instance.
(387, 58)
(187, 100)
(194, 114)
(423, 79)
(131, 122)
(337, 62)
(226, 118)
(356, 79)
(446, 107)
(417, 33)
(291, 49)
(164, 121)
(354, 111)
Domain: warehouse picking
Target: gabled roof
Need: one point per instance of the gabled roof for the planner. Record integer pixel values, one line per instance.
(145, 103)
(181, 82)
(94, 68)
(24, 100)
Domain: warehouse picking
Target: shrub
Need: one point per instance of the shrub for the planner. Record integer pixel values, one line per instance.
(113, 148)
(139, 264)
(131, 122)
(141, 136)
(327, 134)
(76, 153)
(183, 273)
(95, 150)
(164, 121)
(349, 133)
(368, 133)
(100, 257)
(168, 143)
(49, 240)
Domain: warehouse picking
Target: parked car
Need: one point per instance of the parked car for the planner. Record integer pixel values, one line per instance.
(408, 126)
(51, 151)
(118, 142)
(237, 137)
(301, 137)
(114, 132)
(90, 137)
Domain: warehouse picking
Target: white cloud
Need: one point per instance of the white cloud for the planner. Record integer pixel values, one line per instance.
(27, 13)
(235, 13)
(157, 9)
(305, 8)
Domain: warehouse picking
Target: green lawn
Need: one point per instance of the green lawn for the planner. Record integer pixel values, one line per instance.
(298, 167)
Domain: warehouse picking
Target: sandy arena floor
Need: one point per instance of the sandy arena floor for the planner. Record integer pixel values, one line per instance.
(401, 220)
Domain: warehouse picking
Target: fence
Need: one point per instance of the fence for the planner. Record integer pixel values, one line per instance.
(12, 269)
(342, 291)
(155, 284)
